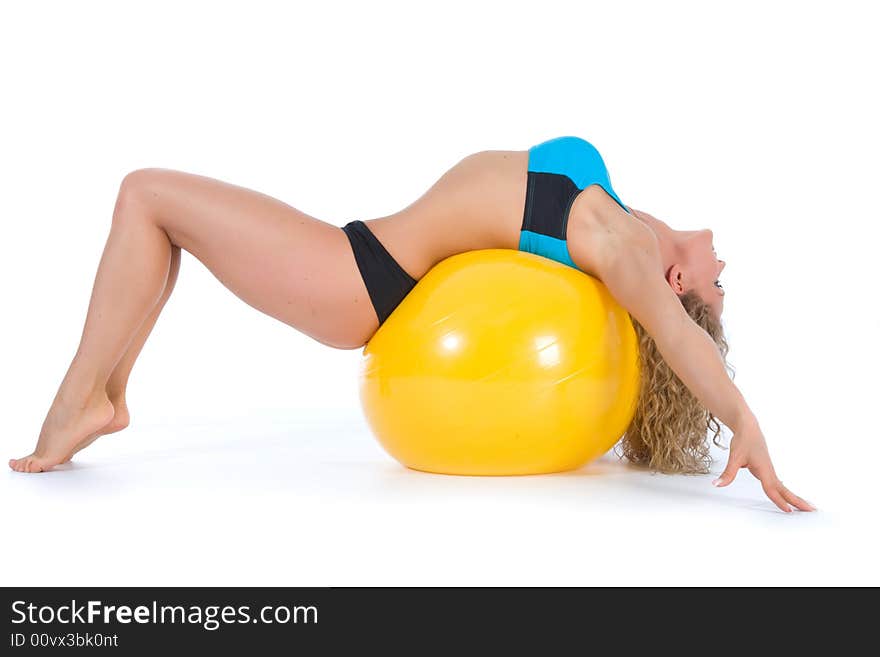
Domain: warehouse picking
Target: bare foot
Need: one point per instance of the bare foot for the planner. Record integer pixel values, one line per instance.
(65, 427)
(118, 423)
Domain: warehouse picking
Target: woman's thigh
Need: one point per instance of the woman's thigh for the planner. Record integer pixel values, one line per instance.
(281, 261)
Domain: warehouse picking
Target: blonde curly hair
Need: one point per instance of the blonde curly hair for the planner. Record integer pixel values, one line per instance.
(668, 432)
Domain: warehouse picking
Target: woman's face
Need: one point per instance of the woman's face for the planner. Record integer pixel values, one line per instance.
(700, 268)
(691, 260)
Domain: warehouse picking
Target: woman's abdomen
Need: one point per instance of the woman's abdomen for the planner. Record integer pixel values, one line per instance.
(477, 204)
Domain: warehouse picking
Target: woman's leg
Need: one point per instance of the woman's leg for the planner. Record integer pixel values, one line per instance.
(279, 260)
(118, 381)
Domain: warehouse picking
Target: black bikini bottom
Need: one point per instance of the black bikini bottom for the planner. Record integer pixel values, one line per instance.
(386, 281)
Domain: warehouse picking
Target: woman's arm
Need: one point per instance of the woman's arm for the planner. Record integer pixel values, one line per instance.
(634, 275)
(628, 263)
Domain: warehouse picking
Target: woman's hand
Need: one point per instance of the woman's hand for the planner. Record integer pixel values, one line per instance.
(748, 449)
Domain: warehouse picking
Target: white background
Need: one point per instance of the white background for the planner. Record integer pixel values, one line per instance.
(248, 461)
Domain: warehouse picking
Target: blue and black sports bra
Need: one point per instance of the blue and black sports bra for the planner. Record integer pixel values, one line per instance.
(559, 169)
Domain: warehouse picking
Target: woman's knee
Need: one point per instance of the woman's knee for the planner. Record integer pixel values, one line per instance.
(135, 191)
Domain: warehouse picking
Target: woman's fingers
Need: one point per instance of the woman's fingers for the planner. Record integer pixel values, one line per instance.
(774, 492)
(763, 470)
(798, 502)
(783, 497)
(734, 463)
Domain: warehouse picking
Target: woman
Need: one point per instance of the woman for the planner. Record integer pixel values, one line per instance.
(338, 285)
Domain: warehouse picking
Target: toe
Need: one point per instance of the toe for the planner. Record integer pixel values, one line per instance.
(43, 464)
(31, 464)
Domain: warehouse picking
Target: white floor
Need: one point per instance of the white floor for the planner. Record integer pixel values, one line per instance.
(310, 499)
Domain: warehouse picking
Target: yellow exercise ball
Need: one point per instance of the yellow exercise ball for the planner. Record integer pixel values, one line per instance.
(501, 362)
